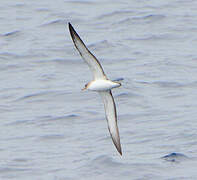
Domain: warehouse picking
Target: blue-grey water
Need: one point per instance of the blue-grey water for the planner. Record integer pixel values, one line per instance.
(51, 130)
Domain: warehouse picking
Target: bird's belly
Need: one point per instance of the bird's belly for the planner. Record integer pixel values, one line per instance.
(102, 85)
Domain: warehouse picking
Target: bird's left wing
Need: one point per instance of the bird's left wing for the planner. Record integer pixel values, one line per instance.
(88, 57)
(111, 116)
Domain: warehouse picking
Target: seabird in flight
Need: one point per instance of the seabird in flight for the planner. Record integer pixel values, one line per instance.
(101, 84)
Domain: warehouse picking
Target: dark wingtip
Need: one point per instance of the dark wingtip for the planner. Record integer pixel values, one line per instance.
(73, 33)
(117, 144)
(69, 25)
(70, 28)
(119, 150)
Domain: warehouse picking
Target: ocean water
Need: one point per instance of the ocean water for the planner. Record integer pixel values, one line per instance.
(51, 130)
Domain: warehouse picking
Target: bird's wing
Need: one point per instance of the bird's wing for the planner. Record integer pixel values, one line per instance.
(111, 116)
(88, 57)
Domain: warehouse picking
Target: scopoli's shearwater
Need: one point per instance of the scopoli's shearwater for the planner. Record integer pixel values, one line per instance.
(101, 84)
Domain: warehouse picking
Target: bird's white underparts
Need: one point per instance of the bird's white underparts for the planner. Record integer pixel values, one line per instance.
(102, 85)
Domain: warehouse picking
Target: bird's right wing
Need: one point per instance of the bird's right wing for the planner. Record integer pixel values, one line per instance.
(110, 112)
(88, 57)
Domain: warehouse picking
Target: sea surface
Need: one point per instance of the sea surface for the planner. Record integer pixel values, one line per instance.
(51, 130)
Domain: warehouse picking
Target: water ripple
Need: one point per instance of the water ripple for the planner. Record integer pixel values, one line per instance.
(175, 157)
(12, 33)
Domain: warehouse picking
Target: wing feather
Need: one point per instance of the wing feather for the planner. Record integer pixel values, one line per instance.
(111, 116)
(88, 57)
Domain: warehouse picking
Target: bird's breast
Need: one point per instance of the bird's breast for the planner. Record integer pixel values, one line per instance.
(102, 85)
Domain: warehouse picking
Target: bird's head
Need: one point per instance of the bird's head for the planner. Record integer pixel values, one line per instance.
(86, 86)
